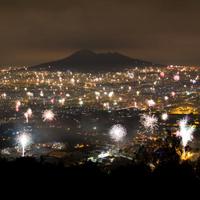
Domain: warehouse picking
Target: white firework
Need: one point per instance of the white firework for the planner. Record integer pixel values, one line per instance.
(164, 116)
(185, 131)
(28, 114)
(18, 104)
(24, 140)
(173, 94)
(41, 93)
(176, 77)
(149, 122)
(151, 103)
(117, 132)
(166, 98)
(48, 115)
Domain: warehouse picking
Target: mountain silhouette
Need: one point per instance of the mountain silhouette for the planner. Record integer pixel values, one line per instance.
(89, 61)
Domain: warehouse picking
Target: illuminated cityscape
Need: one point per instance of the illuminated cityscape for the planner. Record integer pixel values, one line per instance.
(95, 91)
(71, 112)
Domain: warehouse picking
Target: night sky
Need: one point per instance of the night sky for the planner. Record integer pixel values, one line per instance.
(162, 31)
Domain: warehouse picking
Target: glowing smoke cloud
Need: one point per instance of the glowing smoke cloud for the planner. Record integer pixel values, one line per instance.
(117, 132)
(185, 131)
(149, 122)
(48, 115)
(24, 140)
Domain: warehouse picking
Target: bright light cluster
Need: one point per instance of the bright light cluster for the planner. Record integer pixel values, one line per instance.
(24, 140)
(48, 115)
(185, 131)
(117, 132)
(149, 122)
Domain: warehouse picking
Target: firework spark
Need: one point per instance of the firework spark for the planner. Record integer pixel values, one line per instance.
(29, 111)
(48, 115)
(18, 104)
(117, 132)
(173, 94)
(162, 74)
(176, 77)
(164, 116)
(166, 98)
(151, 103)
(28, 114)
(149, 122)
(24, 140)
(41, 93)
(186, 155)
(185, 131)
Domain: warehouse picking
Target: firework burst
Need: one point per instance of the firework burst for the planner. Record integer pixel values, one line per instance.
(24, 140)
(150, 102)
(117, 132)
(149, 122)
(164, 116)
(48, 115)
(28, 114)
(185, 131)
(18, 104)
(176, 77)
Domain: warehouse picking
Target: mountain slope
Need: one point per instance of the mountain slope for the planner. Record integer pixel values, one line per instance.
(88, 61)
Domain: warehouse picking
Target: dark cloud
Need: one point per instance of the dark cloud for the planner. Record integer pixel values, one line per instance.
(34, 31)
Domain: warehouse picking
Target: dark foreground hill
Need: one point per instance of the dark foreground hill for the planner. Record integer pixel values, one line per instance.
(30, 170)
(26, 177)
